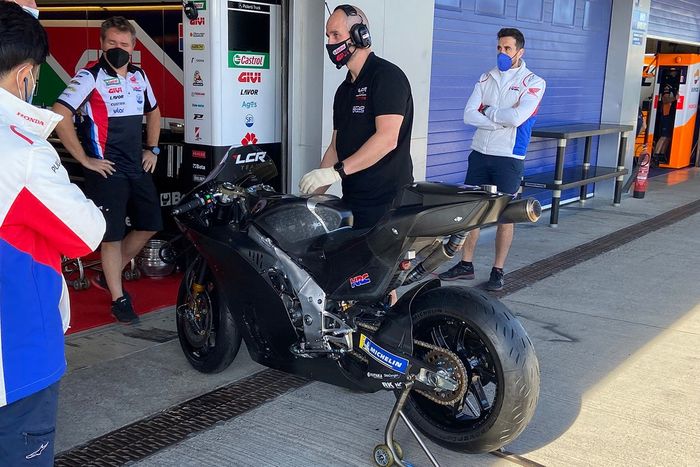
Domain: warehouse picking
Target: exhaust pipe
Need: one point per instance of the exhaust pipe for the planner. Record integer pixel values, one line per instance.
(441, 254)
(524, 210)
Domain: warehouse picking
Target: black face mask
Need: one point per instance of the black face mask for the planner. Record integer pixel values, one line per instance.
(117, 57)
(339, 53)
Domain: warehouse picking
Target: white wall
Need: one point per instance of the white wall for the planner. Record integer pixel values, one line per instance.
(402, 32)
(307, 55)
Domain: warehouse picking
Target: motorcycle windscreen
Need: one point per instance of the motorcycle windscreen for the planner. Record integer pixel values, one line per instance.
(244, 165)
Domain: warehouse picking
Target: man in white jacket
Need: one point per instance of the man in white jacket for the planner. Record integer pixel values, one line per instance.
(503, 108)
(42, 216)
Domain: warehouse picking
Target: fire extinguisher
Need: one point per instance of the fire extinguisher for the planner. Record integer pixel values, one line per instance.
(640, 183)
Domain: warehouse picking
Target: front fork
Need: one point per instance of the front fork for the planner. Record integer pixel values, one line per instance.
(192, 312)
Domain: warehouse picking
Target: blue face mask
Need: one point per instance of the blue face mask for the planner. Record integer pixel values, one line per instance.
(504, 61)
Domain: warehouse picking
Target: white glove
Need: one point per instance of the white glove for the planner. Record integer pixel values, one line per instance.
(318, 178)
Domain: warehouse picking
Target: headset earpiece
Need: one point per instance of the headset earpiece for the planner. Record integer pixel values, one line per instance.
(359, 33)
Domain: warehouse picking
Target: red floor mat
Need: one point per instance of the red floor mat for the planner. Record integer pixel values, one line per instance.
(91, 307)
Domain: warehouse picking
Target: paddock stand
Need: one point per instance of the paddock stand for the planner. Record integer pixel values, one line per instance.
(74, 271)
(390, 453)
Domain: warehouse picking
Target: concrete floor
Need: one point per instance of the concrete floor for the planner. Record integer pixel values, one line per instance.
(617, 339)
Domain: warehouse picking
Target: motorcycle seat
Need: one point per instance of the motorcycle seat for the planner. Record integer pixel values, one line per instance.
(429, 194)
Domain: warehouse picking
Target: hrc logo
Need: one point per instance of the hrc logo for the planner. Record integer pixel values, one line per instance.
(359, 281)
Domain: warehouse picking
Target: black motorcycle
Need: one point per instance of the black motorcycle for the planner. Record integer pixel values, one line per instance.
(309, 294)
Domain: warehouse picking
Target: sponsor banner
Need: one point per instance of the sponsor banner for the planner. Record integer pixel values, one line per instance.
(234, 61)
(197, 77)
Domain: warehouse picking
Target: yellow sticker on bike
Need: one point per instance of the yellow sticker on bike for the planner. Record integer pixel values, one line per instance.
(383, 356)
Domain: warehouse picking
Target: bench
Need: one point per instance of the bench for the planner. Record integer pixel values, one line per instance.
(579, 175)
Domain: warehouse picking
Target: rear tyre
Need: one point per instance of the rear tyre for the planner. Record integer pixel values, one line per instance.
(207, 332)
(502, 369)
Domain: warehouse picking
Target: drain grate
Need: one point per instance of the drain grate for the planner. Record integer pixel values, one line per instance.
(146, 437)
(528, 275)
(152, 334)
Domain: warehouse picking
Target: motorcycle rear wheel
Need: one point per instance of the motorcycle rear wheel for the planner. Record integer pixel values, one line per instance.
(503, 371)
(215, 349)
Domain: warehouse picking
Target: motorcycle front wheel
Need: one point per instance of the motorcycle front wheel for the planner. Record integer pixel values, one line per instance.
(503, 375)
(207, 332)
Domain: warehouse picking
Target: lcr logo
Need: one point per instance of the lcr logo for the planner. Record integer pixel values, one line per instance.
(251, 157)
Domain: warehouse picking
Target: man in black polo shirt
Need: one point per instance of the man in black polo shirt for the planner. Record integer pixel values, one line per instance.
(112, 96)
(372, 120)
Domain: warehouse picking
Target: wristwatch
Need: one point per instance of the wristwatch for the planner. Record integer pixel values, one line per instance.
(340, 168)
(154, 149)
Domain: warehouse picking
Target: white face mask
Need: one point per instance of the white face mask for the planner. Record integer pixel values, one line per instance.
(26, 95)
(32, 11)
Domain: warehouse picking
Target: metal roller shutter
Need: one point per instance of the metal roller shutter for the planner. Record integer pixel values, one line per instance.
(675, 19)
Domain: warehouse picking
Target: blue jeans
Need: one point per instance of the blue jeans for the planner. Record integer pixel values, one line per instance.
(28, 428)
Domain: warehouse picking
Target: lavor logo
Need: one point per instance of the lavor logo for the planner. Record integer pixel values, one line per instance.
(248, 60)
(384, 357)
(251, 157)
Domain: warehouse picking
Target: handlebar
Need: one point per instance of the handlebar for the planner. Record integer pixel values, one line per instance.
(195, 203)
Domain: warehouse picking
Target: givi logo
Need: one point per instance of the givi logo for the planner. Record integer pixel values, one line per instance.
(250, 77)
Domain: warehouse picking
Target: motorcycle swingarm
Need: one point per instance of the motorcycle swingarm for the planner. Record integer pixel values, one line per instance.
(388, 368)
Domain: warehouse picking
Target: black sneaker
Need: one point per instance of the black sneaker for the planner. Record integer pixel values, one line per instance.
(461, 270)
(123, 310)
(495, 281)
(100, 282)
